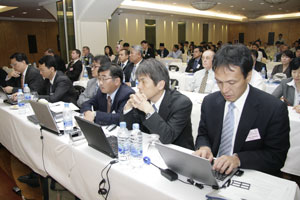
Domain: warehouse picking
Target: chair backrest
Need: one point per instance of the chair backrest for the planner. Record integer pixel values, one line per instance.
(173, 68)
(79, 89)
(173, 83)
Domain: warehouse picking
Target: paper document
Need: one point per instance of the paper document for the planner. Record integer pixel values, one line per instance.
(59, 107)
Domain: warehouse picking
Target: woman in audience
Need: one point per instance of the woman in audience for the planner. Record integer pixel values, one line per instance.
(289, 89)
(109, 53)
(286, 58)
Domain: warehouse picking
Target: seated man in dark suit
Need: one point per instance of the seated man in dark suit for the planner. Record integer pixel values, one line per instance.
(157, 109)
(126, 65)
(58, 86)
(258, 66)
(241, 125)
(75, 66)
(105, 107)
(195, 64)
(162, 51)
(24, 74)
(148, 52)
(60, 63)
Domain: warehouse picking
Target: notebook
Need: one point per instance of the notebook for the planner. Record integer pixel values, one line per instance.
(192, 166)
(97, 139)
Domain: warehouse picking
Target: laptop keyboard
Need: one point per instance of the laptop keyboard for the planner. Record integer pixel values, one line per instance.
(113, 141)
(219, 176)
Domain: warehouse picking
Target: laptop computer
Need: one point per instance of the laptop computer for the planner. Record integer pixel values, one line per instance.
(97, 139)
(7, 98)
(192, 166)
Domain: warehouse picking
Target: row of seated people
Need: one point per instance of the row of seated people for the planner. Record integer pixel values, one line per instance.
(240, 125)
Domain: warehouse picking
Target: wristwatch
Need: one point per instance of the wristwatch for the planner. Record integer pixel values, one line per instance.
(148, 115)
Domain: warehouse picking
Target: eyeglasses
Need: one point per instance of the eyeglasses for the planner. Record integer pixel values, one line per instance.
(13, 64)
(102, 79)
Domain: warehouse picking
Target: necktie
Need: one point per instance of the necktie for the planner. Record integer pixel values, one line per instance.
(51, 89)
(22, 81)
(203, 82)
(154, 107)
(227, 132)
(108, 104)
(132, 76)
(195, 64)
(122, 65)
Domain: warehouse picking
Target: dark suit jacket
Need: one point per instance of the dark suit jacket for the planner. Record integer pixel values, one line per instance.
(127, 70)
(99, 102)
(33, 78)
(172, 122)
(286, 91)
(3, 75)
(263, 52)
(62, 89)
(279, 69)
(149, 54)
(190, 65)
(133, 83)
(261, 111)
(258, 67)
(60, 63)
(165, 52)
(74, 71)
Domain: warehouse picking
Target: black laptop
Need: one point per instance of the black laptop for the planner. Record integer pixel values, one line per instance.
(97, 139)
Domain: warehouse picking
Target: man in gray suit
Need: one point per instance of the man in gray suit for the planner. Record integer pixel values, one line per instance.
(92, 85)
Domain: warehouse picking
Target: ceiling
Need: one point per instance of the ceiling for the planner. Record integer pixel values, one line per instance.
(34, 8)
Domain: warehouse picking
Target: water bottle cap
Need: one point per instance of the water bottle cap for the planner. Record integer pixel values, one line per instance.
(66, 105)
(19, 90)
(122, 124)
(25, 85)
(135, 126)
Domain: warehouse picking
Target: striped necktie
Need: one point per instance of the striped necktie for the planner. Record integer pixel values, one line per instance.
(203, 82)
(108, 104)
(227, 132)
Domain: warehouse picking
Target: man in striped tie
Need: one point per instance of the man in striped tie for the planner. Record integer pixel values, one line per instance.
(240, 125)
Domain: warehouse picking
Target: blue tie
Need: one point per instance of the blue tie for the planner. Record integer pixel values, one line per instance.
(227, 132)
(154, 107)
(195, 64)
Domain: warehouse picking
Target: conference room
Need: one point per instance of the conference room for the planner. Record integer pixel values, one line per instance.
(163, 68)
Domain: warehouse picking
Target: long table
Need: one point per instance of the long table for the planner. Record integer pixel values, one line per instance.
(77, 167)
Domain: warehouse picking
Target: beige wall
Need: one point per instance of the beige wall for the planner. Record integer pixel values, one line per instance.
(131, 28)
(252, 31)
(13, 38)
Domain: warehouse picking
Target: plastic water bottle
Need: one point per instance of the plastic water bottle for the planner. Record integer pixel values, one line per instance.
(123, 144)
(263, 73)
(136, 83)
(136, 146)
(27, 97)
(85, 74)
(67, 119)
(21, 105)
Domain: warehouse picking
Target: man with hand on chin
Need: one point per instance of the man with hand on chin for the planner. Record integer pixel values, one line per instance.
(158, 109)
(240, 125)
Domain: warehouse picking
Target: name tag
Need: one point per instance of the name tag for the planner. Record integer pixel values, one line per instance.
(253, 135)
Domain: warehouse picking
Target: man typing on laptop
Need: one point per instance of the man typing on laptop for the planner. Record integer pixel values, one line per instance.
(241, 125)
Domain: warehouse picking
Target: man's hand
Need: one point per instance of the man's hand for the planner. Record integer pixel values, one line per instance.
(13, 73)
(89, 115)
(226, 164)
(8, 89)
(14, 96)
(204, 152)
(139, 101)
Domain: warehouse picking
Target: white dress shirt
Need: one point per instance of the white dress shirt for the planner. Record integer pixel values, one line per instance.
(297, 94)
(211, 83)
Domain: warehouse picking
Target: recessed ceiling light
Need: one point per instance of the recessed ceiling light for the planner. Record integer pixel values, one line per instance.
(12, 16)
(262, 3)
(231, 6)
(24, 13)
(174, 3)
(148, 13)
(271, 6)
(38, 9)
(250, 0)
(243, 8)
(172, 15)
(219, 3)
(279, 8)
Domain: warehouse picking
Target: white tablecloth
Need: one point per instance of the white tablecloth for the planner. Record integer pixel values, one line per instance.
(184, 79)
(78, 168)
(270, 87)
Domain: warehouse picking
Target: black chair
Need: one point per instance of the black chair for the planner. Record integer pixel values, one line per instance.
(79, 89)
(173, 68)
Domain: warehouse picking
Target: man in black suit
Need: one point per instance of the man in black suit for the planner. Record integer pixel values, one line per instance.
(241, 125)
(60, 64)
(195, 64)
(58, 87)
(158, 109)
(23, 74)
(147, 51)
(258, 66)
(126, 65)
(105, 107)
(162, 51)
(75, 66)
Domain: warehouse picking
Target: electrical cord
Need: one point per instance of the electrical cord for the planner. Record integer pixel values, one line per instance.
(102, 190)
(42, 138)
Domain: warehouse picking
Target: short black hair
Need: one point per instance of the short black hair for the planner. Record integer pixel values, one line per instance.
(161, 44)
(295, 64)
(186, 42)
(19, 57)
(126, 44)
(176, 46)
(155, 70)
(237, 55)
(49, 61)
(126, 52)
(297, 48)
(199, 47)
(254, 53)
(102, 59)
(288, 53)
(49, 50)
(114, 70)
(254, 44)
(86, 47)
(144, 41)
(77, 51)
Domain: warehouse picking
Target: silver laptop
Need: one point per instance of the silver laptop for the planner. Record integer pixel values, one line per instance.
(45, 117)
(192, 166)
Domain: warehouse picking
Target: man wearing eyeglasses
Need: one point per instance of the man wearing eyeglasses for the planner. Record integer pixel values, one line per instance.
(23, 74)
(93, 84)
(105, 107)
